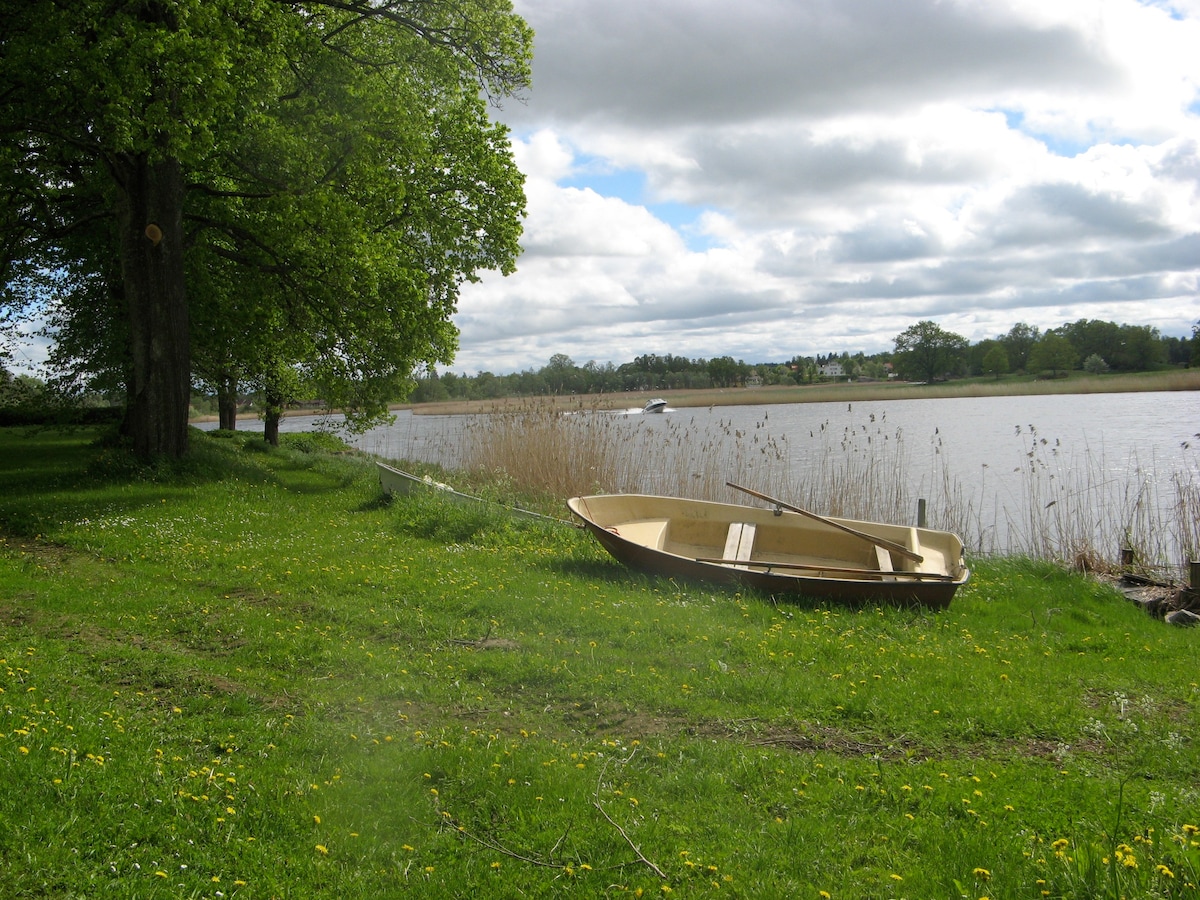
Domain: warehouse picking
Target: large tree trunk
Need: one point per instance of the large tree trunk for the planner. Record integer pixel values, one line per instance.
(150, 220)
(227, 402)
(271, 426)
(275, 399)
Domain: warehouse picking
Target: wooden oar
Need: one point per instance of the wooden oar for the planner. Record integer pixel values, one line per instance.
(877, 541)
(812, 567)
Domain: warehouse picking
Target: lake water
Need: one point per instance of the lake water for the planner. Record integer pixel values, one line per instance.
(1040, 474)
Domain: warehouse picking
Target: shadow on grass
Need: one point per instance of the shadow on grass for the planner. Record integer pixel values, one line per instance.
(50, 475)
(600, 570)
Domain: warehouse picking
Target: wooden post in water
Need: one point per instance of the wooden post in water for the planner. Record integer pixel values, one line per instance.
(921, 513)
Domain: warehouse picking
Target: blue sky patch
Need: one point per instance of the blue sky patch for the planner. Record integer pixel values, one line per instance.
(630, 185)
(1056, 144)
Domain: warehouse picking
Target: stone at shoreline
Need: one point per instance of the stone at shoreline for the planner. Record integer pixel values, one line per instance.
(1182, 617)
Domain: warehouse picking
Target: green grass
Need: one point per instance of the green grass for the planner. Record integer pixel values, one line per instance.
(250, 675)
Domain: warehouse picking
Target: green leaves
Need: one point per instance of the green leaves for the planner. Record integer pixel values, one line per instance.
(927, 351)
(343, 180)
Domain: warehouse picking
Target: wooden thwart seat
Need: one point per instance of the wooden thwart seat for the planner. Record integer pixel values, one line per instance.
(739, 543)
(884, 557)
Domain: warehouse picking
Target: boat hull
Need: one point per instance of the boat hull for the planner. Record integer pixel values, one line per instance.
(786, 554)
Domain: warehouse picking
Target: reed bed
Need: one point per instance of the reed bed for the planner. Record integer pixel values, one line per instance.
(1074, 508)
(1082, 509)
(566, 453)
(1187, 513)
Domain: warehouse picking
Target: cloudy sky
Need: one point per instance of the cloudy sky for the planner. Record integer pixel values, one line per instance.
(768, 178)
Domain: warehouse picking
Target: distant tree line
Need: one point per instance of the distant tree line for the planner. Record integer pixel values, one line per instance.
(927, 352)
(923, 352)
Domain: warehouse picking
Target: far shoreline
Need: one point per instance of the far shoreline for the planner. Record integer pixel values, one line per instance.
(849, 392)
(1178, 380)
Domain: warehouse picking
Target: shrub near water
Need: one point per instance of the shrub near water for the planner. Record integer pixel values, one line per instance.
(253, 677)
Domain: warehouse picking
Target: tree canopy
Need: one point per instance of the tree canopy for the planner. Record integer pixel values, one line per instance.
(239, 187)
(929, 351)
(1053, 353)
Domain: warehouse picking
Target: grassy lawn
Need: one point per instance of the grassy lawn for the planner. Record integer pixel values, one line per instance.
(252, 676)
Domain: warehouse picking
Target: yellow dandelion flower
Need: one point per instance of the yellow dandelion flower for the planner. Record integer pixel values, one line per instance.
(980, 873)
(1164, 871)
(1061, 844)
(896, 877)
(160, 874)
(824, 895)
(316, 820)
(322, 849)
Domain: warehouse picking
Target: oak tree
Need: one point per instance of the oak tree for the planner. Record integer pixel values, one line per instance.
(1053, 353)
(929, 351)
(272, 181)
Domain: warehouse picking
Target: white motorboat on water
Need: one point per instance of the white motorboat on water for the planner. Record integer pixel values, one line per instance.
(656, 405)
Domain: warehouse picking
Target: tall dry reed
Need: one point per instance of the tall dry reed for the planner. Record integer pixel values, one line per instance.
(1187, 512)
(1083, 509)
